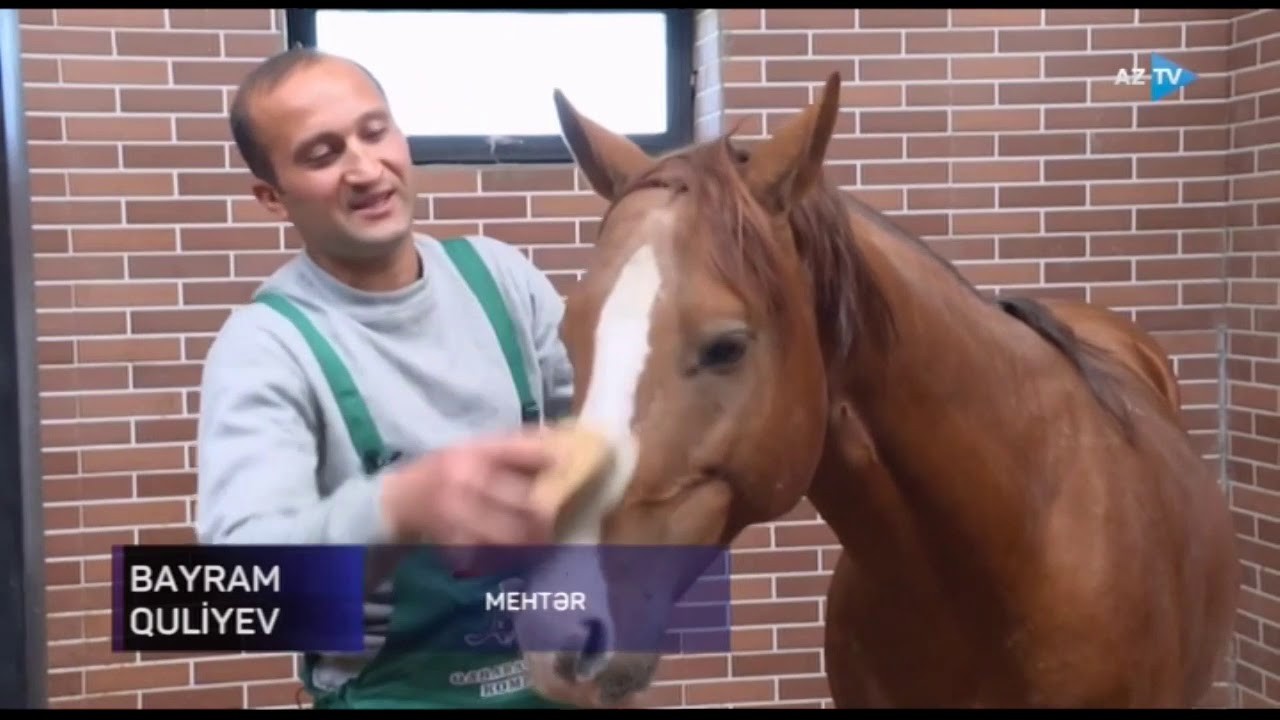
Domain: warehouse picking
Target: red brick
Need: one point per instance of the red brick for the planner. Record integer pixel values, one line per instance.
(1262, 23)
(729, 692)
(964, 17)
(166, 44)
(1041, 246)
(996, 222)
(883, 18)
(763, 96)
(906, 121)
(1013, 196)
(1042, 144)
(127, 294)
(766, 44)
(994, 68)
(945, 146)
(907, 69)
(788, 19)
(1087, 66)
(517, 180)
(1088, 169)
(255, 45)
(950, 41)
(1087, 220)
(1016, 41)
(987, 171)
(903, 173)
(224, 19)
(863, 96)
(1136, 193)
(1089, 17)
(788, 71)
(42, 70)
(1143, 38)
(69, 99)
(1185, 15)
(1064, 118)
(1042, 91)
(114, 72)
(170, 100)
(995, 119)
(210, 72)
(84, 17)
(948, 94)
(35, 16)
(108, 183)
(73, 155)
(857, 43)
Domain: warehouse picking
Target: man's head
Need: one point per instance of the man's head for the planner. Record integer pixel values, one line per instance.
(317, 133)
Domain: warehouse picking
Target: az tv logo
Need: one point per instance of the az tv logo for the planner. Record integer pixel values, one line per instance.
(1167, 77)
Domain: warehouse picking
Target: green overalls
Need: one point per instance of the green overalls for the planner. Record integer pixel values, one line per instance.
(422, 664)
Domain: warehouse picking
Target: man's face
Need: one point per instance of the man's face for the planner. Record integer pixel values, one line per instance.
(342, 164)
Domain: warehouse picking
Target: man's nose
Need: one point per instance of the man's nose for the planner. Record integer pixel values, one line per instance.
(363, 166)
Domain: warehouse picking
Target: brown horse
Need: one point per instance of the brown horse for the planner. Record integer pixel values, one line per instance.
(1024, 519)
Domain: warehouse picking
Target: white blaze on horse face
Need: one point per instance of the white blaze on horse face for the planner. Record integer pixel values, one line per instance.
(621, 351)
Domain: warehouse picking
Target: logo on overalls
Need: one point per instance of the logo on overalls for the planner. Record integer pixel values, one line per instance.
(502, 628)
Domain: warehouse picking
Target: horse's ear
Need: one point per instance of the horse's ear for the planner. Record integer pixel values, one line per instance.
(784, 167)
(608, 159)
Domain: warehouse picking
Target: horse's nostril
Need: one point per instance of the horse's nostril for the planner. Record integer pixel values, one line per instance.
(587, 655)
(596, 642)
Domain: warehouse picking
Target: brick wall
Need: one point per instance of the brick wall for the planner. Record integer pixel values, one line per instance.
(1253, 345)
(997, 135)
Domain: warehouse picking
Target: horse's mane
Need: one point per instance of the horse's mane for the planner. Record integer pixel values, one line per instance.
(1091, 361)
(849, 302)
(1088, 359)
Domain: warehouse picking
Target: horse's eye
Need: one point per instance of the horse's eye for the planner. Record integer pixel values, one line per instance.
(723, 352)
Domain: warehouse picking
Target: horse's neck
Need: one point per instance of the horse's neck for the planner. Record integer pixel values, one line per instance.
(940, 410)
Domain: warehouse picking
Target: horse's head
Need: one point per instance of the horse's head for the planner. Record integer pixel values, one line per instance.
(697, 349)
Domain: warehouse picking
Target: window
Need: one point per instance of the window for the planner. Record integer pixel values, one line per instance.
(475, 86)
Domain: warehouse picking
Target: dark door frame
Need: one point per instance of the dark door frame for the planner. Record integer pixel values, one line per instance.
(22, 619)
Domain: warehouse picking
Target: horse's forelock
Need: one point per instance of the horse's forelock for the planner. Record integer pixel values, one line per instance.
(741, 249)
(849, 303)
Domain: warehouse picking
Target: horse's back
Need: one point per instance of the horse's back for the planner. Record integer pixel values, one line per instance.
(1127, 342)
(1156, 589)
(1190, 534)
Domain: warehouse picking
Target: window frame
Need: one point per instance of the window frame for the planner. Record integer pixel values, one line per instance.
(300, 30)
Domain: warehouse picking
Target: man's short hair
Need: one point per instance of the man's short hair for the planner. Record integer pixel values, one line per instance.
(265, 77)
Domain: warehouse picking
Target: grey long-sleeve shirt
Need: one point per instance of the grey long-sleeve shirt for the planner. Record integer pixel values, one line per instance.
(275, 461)
(276, 464)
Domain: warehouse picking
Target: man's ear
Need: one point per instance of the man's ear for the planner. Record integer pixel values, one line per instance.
(609, 160)
(784, 167)
(269, 198)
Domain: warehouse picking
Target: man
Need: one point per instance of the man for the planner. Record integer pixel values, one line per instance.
(365, 397)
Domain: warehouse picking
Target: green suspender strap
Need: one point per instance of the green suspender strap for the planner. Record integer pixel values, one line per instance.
(364, 434)
(477, 276)
(360, 426)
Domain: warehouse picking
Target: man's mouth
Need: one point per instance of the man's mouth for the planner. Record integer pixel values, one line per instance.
(373, 203)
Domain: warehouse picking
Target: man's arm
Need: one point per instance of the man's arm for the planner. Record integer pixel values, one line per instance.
(258, 449)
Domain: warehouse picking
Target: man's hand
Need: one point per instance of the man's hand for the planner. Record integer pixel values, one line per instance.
(475, 493)
(548, 684)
